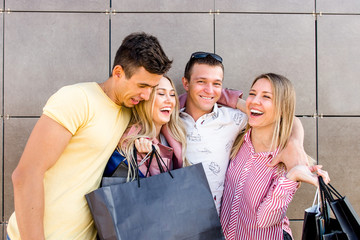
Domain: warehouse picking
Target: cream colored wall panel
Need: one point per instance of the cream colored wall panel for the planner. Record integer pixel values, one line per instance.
(252, 44)
(339, 144)
(56, 5)
(336, 6)
(265, 6)
(163, 6)
(339, 65)
(45, 51)
(296, 228)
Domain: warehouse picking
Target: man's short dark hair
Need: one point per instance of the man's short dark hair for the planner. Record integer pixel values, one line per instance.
(208, 60)
(141, 50)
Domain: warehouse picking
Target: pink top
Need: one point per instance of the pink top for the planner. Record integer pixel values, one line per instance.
(256, 196)
(172, 154)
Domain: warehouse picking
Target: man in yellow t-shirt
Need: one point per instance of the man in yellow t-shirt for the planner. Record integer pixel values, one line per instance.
(70, 144)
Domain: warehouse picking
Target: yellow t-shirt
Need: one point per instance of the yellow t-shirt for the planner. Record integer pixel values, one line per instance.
(96, 124)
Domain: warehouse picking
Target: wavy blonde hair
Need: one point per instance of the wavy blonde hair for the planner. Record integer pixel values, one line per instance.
(284, 101)
(142, 115)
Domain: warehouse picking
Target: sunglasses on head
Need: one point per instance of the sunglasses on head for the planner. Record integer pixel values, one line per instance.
(198, 55)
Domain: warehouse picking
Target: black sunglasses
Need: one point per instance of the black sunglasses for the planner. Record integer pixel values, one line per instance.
(197, 55)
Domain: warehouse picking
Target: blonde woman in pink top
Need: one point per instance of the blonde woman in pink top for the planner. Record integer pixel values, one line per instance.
(256, 194)
(156, 122)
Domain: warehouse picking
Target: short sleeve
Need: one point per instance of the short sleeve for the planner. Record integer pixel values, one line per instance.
(229, 97)
(69, 107)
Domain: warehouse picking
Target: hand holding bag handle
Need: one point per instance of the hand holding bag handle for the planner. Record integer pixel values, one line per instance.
(159, 160)
(120, 174)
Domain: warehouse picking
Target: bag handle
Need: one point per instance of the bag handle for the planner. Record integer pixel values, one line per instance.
(324, 189)
(136, 166)
(150, 161)
(329, 190)
(158, 158)
(333, 191)
(324, 199)
(317, 200)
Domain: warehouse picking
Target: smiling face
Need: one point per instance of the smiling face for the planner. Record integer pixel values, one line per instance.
(129, 92)
(164, 102)
(260, 106)
(203, 88)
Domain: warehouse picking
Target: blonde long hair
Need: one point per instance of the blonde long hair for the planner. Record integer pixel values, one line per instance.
(142, 115)
(284, 101)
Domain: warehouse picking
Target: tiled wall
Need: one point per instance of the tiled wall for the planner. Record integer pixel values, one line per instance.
(46, 44)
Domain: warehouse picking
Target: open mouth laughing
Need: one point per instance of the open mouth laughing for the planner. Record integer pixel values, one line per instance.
(256, 113)
(165, 110)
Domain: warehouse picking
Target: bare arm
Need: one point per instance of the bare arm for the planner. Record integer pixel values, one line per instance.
(293, 154)
(45, 145)
(241, 105)
(296, 160)
(302, 173)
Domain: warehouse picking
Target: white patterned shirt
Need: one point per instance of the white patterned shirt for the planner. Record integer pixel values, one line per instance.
(209, 140)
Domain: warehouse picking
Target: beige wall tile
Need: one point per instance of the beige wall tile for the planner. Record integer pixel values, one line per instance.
(163, 6)
(339, 144)
(45, 51)
(339, 68)
(296, 228)
(264, 6)
(261, 43)
(335, 6)
(54, 5)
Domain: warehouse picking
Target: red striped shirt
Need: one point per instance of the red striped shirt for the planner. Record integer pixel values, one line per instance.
(256, 197)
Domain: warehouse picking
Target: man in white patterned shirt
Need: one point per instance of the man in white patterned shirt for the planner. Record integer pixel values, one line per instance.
(211, 129)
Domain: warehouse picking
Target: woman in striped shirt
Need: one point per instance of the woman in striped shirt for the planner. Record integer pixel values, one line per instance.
(257, 196)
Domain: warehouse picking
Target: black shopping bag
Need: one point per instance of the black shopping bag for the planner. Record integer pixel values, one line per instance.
(163, 207)
(318, 225)
(345, 214)
(312, 221)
